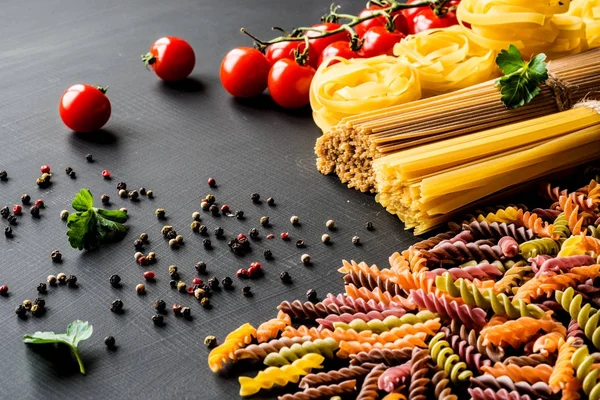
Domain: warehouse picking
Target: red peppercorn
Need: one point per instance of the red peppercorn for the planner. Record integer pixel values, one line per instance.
(106, 173)
(212, 182)
(190, 290)
(224, 208)
(45, 169)
(197, 281)
(143, 260)
(241, 236)
(242, 273)
(254, 270)
(285, 235)
(149, 275)
(39, 203)
(270, 236)
(256, 264)
(17, 209)
(3, 290)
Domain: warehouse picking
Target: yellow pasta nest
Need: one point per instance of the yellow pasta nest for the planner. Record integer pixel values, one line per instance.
(359, 85)
(589, 12)
(531, 25)
(447, 60)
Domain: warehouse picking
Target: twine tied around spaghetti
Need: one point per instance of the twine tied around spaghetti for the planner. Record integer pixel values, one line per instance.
(561, 90)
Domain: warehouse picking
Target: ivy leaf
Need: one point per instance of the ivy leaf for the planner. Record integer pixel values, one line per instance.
(77, 331)
(521, 80)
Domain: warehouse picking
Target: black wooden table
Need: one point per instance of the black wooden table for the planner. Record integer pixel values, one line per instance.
(168, 138)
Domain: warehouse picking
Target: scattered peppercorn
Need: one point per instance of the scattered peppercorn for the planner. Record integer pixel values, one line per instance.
(186, 312)
(213, 283)
(72, 175)
(210, 341)
(325, 238)
(271, 201)
(149, 276)
(197, 281)
(89, 158)
(202, 229)
(176, 308)
(247, 291)
(196, 216)
(205, 302)
(284, 236)
(34, 211)
(27, 304)
(165, 230)
(3, 176)
(138, 244)
(160, 213)
(199, 293)
(311, 295)
(207, 244)
(253, 233)
(255, 197)
(209, 198)
(134, 195)
(8, 232)
(42, 288)
(17, 209)
(173, 283)
(195, 226)
(39, 203)
(242, 273)
(44, 180)
(294, 220)
(200, 267)
(45, 169)
(330, 224)
(305, 258)
(227, 283)
(212, 182)
(68, 170)
(160, 305)
(300, 243)
(140, 288)
(105, 173)
(25, 199)
(64, 215)
(51, 280)
(115, 281)
(56, 256)
(214, 209)
(12, 220)
(109, 342)
(142, 191)
(356, 240)
(123, 209)
(225, 209)
(239, 214)
(179, 239)
(40, 302)
(36, 310)
(151, 257)
(71, 280)
(150, 194)
(270, 236)
(181, 286)
(205, 205)
(264, 220)
(285, 277)
(62, 278)
(3, 290)
(268, 254)
(158, 319)
(121, 186)
(219, 232)
(20, 310)
(173, 243)
(5, 212)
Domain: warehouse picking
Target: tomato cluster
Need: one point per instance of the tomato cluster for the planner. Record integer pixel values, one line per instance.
(422, 18)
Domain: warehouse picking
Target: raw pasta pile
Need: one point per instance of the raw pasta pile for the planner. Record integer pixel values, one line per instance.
(505, 305)
(589, 12)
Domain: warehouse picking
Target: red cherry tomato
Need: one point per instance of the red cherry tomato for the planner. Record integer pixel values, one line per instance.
(378, 40)
(338, 49)
(171, 58)
(244, 72)
(289, 83)
(426, 19)
(277, 51)
(320, 44)
(84, 108)
(410, 14)
(399, 21)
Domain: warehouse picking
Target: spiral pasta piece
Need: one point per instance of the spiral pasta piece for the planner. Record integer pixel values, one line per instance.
(419, 370)
(494, 353)
(280, 376)
(467, 352)
(496, 230)
(460, 252)
(538, 390)
(389, 323)
(564, 264)
(394, 376)
(539, 373)
(485, 271)
(470, 316)
(499, 331)
(326, 391)
(347, 304)
(385, 356)
(308, 310)
(327, 322)
(509, 246)
(529, 360)
(287, 355)
(353, 347)
(580, 245)
(536, 247)
(258, 352)
(444, 357)
(441, 385)
(361, 279)
(270, 329)
(582, 362)
(563, 370)
(334, 376)
(550, 342)
(587, 317)
(377, 295)
(370, 389)
(226, 351)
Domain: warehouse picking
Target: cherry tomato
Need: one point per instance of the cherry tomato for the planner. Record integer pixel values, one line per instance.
(244, 72)
(320, 44)
(378, 40)
(171, 58)
(289, 83)
(84, 108)
(399, 21)
(410, 14)
(338, 49)
(426, 19)
(277, 51)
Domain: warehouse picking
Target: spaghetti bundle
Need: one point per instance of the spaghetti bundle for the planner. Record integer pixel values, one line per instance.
(425, 185)
(589, 12)
(349, 148)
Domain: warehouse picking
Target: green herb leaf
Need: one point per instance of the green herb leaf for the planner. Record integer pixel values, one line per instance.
(94, 227)
(77, 331)
(521, 80)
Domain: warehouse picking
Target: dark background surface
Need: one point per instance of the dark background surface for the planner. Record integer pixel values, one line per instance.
(169, 138)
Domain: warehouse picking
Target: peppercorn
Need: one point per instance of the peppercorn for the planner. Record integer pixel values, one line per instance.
(305, 258)
(3, 176)
(264, 221)
(64, 215)
(271, 201)
(173, 283)
(68, 170)
(197, 281)
(311, 295)
(109, 342)
(212, 182)
(209, 198)
(207, 244)
(195, 225)
(179, 239)
(160, 213)
(255, 270)
(199, 293)
(142, 191)
(267, 254)
(284, 235)
(270, 236)
(39, 203)
(138, 244)
(72, 175)
(200, 267)
(36, 310)
(225, 209)
(133, 195)
(210, 341)
(173, 243)
(300, 244)
(294, 220)
(166, 229)
(186, 312)
(325, 238)
(140, 288)
(227, 283)
(205, 302)
(8, 232)
(149, 276)
(20, 310)
(72, 280)
(255, 197)
(17, 209)
(115, 281)
(176, 308)
(239, 214)
(39, 302)
(213, 283)
(34, 211)
(205, 205)
(25, 199)
(151, 257)
(5, 212)
(247, 291)
(51, 280)
(356, 240)
(242, 273)
(56, 256)
(42, 288)
(214, 209)
(218, 232)
(160, 305)
(12, 220)
(285, 277)
(44, 180)
(121, 186)
(253, 233)
(3, 290)
(158, 319)
(123, 209)
(89, 158)
(27, 304)
(181, 286)
(330, 224)
(61, 278)
(150, 194)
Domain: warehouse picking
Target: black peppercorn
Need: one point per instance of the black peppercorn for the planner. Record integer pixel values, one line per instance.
(72, 281)
(121, 186)
(138, 244)
(142, 191)
(173, 283)
(109, 341)
(35, 211)
(247, 291)
(40, 302)
(219, 232)
(134, 195)
(12, 220)
(202, 229)
(20, 310)
(236, 248)
(56, 256)
(227, 282)
(116, 306)
(271, 201)
(160, 305)
(207, 243)
(239, 214)
(42, 288)
(255, 197)
(214, 209)
(8, 232)
(268, 254)
(72, 175)
(68, 170)
(213, 283)
(3, 176)
(105, 199)
(115, 281)
(311, 295)
(200, 267)
(186, 312)
(5, 212)
(253, 233)
(25, 198)
(285, 277)
(158, 319)
(89, 158)
(300, 243)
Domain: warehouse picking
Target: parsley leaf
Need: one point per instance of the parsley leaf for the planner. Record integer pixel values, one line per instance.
(77, 331)
(91, 227)
(521, 80)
